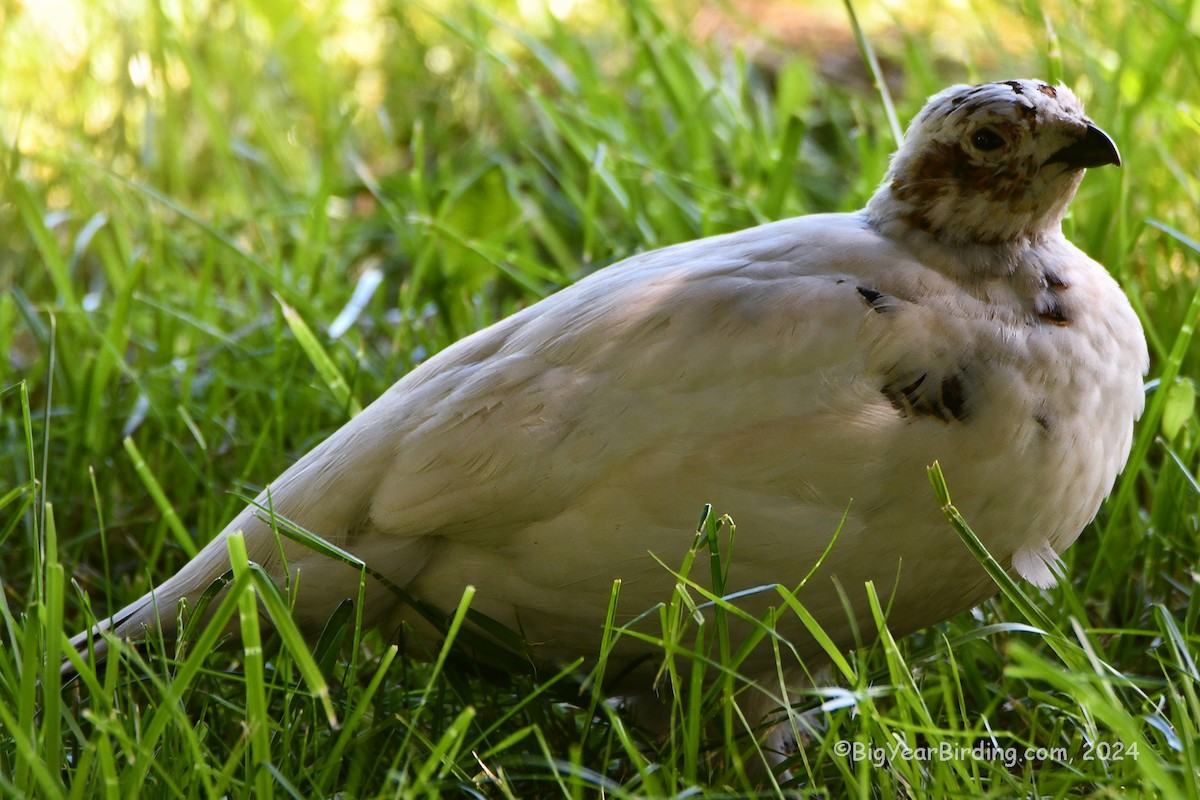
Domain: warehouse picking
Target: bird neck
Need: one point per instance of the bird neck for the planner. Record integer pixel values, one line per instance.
(956, 255)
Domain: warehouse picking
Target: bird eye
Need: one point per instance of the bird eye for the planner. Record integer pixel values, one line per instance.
(986, 139)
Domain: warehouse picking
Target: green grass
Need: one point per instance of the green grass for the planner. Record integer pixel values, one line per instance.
(191, 194)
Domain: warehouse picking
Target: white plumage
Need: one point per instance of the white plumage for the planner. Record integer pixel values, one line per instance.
(782, 373)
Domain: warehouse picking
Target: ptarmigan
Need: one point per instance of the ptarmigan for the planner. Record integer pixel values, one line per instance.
(784, 374)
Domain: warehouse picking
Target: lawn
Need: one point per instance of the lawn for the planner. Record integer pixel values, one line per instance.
(228, 226)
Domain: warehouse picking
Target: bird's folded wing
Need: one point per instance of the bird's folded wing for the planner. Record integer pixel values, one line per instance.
(515, 423)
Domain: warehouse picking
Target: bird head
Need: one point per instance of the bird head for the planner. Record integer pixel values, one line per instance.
(991, 164)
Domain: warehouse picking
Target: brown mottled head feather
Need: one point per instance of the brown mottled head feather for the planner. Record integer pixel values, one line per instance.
(977, 166)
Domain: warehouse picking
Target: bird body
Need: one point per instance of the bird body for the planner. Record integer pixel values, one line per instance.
(789, 375)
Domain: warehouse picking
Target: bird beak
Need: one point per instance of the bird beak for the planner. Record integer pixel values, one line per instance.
(1095, 149)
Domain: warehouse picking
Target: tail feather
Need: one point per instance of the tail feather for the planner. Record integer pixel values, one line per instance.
(156, 610)
(327, 491)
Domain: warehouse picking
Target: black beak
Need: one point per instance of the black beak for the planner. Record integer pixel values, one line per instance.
(1095, 149)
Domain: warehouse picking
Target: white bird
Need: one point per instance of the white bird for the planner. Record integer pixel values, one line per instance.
(784, 374)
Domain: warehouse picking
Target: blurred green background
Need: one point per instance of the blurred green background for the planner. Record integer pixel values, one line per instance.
(225, 226)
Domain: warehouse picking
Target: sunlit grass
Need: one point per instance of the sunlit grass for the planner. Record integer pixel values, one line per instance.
(194, 193)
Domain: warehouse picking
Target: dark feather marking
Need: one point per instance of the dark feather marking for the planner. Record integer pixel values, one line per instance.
(1043, 421)
(1055, 314)
(1053, 280)
(878, 301)
(902, 398)
(953, 397)
(946, 400)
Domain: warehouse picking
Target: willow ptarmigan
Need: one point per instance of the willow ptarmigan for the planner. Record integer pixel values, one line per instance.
(787, 374)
